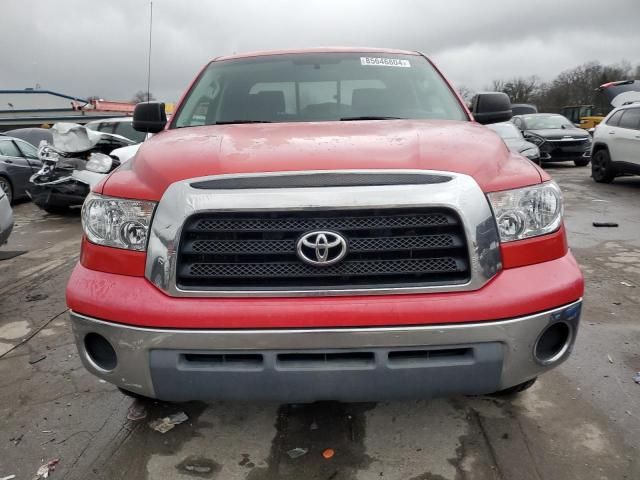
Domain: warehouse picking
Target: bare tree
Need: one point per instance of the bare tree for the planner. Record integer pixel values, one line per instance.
(496, 86)
(466, 93)
(142, 96)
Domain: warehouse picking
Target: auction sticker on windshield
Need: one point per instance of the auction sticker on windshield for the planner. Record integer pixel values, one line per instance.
(385, 62)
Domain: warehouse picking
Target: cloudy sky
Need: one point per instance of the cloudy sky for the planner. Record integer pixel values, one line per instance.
(84, 48)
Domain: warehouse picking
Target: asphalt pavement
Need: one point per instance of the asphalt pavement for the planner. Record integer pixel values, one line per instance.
(580, 421)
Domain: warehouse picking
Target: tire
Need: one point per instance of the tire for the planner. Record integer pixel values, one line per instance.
(581, 163)
(5, 184)
(521, 387)
(601, 170)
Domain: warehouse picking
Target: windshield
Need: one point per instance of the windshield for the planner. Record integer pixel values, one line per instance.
(547, 121)
(506, 130)
(319, 87)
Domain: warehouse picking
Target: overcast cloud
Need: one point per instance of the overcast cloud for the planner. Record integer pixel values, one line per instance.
(83, 48)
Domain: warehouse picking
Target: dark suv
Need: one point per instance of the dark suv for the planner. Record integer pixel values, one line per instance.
(556, 137)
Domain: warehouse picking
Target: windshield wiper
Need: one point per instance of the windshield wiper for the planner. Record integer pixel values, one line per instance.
(369, 117)
(231, 122)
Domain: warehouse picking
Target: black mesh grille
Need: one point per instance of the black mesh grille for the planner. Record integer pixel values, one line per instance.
(386, 248)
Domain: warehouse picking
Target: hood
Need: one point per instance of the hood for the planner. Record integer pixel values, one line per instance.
(558, 133)
(184, 153)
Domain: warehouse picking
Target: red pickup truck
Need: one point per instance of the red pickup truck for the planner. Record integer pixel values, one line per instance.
(324, 224)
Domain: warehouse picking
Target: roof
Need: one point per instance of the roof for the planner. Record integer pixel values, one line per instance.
(390, 51)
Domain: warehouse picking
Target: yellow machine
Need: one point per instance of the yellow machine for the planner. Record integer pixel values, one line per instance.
(582, 115)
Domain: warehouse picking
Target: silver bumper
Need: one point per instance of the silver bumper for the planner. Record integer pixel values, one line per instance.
(156, 363)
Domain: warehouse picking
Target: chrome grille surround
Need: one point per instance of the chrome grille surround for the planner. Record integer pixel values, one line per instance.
(460, 193)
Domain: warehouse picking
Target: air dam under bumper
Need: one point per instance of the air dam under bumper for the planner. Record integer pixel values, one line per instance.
(305, 365)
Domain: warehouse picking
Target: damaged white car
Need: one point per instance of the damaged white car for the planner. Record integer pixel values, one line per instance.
(78, 159)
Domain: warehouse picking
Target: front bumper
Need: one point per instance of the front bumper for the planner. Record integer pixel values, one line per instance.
(6, 219)
(304, 365)
(68, 192)
(557, 153)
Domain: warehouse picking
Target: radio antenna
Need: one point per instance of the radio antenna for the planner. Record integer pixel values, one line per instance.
(149, 56)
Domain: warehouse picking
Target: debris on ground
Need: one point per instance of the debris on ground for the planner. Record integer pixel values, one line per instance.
(163, 425)
(36, 357)
(636, 378)
(8, 477)
(297, 452)
(627, 284)
(36, 297)
(46, 469)
(313, 426)
(605, 224)
(137, 411)
(328, 453)
(609, 358)
(16, 440)
(198, 467)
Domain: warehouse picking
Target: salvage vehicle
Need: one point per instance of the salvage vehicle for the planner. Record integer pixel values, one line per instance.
(6, 218)
(324, 224)
(18, 162)
(515, 141)
(77, 160)
(616, 144)
(556, 137)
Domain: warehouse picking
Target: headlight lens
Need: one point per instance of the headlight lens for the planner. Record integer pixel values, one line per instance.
(533, 138)
(531, 152)
(116, 222)
(527, 212)
(99, 163)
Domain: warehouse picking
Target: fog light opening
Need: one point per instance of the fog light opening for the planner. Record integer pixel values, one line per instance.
(100, 352)
(553, 343)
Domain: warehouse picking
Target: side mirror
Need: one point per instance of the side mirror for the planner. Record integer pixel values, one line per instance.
(491, 107)
(149, 117)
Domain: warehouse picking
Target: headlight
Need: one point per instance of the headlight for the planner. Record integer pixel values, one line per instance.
(531, 152)
(533, 138)
(116, 222)
(99, 163)
(527, 212)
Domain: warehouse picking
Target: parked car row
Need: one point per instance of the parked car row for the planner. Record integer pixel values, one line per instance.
(613, 147)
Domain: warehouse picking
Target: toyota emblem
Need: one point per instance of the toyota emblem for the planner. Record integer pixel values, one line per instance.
(321, 248)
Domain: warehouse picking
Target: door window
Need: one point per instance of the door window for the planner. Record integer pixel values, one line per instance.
(615, 119)
(630, 119)
(27, 150)
(8, 149)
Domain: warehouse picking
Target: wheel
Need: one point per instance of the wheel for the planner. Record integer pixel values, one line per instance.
(5, 185)
(581, 163)
(601, 170)
(521, 387)
(55, 210)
